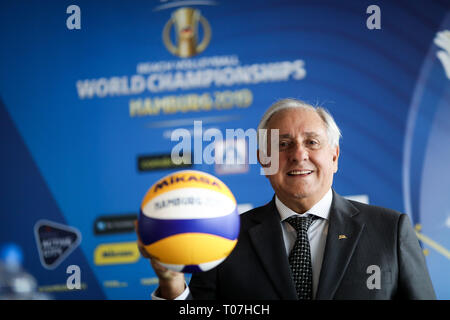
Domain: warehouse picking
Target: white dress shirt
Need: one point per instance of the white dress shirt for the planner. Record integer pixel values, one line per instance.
(317, 234)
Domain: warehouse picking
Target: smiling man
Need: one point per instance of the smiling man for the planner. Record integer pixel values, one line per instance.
(308, 159)
(308, 242)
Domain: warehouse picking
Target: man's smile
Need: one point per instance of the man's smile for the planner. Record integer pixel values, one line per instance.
(299, 173)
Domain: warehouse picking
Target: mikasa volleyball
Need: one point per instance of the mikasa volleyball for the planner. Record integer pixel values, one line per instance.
(189, 221)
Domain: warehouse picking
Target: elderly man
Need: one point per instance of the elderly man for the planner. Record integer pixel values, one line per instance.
(309, 242)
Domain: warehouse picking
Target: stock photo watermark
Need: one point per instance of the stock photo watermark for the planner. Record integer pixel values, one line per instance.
(74, 280)
(73, 22)
(189, 141)
(374, 280)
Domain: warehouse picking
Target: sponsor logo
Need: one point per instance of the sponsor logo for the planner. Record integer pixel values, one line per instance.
(114, 224)
(149, 281)
(55, 242)
(116, 253)
(60, 287)
(163, 161)
(115, 284)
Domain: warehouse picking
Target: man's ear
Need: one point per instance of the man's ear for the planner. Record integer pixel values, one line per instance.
(336, 158)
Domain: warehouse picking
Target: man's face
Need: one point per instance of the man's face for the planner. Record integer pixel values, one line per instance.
(307, 162)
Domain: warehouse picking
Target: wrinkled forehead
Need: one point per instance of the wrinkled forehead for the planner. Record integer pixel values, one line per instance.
(297, 121)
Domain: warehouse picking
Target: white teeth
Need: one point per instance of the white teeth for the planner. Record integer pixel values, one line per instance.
(300, 172)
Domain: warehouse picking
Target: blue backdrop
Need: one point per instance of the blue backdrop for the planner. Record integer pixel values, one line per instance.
(86, 116)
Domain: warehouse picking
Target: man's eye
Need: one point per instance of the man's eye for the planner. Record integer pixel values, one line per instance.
(313, 143)
(284, 143)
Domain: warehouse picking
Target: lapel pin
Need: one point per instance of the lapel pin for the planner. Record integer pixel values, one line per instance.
(342, 236)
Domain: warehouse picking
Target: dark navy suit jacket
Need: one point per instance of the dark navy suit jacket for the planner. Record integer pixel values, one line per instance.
(258, 267)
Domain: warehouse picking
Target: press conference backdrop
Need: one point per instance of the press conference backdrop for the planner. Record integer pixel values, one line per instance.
(90, 96)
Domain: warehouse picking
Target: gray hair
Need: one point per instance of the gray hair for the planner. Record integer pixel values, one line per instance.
(333, 131)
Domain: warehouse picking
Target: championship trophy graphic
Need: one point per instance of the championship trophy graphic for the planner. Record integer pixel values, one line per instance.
(185, 21)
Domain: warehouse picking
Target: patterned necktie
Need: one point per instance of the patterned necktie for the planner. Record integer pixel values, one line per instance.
(300, 257)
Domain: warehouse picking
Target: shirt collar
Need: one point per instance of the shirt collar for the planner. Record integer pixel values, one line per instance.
(320, 209)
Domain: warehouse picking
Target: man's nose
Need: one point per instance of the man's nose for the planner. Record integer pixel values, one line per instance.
(299, 153)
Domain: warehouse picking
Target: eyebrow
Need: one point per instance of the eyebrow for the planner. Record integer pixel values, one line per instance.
(307, 134)
(312, 134)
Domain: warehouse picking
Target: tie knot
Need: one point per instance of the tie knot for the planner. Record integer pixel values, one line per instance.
(300, 223)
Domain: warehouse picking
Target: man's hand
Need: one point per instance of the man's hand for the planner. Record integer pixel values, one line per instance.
(171, 283)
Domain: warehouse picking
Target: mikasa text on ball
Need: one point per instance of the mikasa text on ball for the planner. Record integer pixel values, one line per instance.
(189, 221)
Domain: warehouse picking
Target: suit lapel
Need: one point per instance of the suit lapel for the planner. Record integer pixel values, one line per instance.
(343, 236)
(267, 239)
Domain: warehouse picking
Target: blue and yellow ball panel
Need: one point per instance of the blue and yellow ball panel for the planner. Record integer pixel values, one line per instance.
(156, 229)
(191, 248)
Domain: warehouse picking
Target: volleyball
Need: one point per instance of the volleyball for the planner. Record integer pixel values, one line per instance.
(189, 221)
